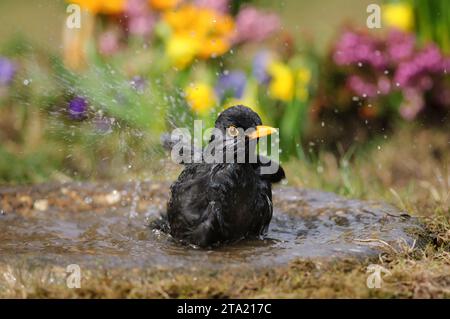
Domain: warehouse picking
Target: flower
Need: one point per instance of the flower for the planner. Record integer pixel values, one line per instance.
(164, 4)
(412, 104)
(136, 7)
(102, 6)
(207, 32)
(221, 6)
(255, 25)
(398, 15)
(141, 20)
(355, 48)
(200, 97)
(425, 62)
(77, 108)
(281, 85)
(260, 63)
(303, 79)
(181, 50)
(400, 45)
(213, 47)
(231, 84)
(361, 86)
(7, 71)
(108, 42)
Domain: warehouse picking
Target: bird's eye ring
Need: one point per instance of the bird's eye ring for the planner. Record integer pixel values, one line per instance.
(232, 131)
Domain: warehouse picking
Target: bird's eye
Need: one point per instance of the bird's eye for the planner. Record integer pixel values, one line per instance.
(233, 131)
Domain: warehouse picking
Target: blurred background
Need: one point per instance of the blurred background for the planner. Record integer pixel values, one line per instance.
(92, 102)
(43, 20)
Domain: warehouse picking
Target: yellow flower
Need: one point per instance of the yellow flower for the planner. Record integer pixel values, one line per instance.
(281, 86)
(303, 79)
(181, 50)
(164, 4)
(210, 31)
(398, 15)
(200, 97)
(102, 6)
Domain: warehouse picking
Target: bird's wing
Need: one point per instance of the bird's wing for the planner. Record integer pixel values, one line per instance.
(210, 229)
(264, 161)
(195, 209)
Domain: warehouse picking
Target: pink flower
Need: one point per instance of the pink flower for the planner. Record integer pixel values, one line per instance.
(412, 104)
(255, 25)
(411, 72)
(361, 87)
(108, 43)
(141, 19)
(400, 45)
(141, 25)
(384, 85)
(222, 6)
(359, 49)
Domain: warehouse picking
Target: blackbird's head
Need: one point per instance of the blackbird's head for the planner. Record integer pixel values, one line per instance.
(240, 119)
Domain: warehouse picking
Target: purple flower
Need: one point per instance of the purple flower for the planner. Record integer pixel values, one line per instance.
(255, 25)
(7, 71)
(78, 108)
(216, 5)
(424, 63)
(260, 63)
(138, 83)
(231, 84)
(400, 45)
(354, 48)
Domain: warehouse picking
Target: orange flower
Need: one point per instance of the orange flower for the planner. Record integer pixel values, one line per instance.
(101, 6)
(212, 47)
(210, 31)
(164, 4)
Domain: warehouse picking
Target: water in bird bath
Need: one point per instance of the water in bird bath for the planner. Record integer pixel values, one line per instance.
(90, 225)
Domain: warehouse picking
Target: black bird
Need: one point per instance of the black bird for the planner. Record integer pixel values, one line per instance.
(217, 203)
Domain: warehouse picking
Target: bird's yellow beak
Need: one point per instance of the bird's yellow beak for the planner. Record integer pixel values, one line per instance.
(262, 130)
